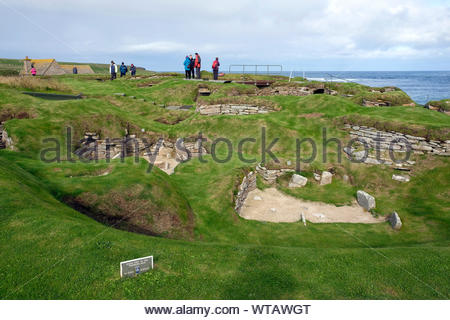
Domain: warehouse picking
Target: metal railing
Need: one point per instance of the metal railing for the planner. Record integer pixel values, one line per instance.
(254, 67)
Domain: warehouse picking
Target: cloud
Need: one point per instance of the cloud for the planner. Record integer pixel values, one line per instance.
(157, 46)
(240, 31)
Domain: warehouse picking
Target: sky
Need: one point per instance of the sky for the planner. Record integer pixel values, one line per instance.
(300, 35)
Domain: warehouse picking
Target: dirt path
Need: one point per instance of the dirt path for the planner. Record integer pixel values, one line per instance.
(273, 206)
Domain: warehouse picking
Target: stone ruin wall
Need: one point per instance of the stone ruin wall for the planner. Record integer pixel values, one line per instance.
(381, 140)
(94, 148)
(292, 91)
(271, 175)
(5, 140)
(231, 109)
(248, 184)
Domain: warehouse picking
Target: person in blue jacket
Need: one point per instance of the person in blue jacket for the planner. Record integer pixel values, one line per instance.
(123, 69)
(187, 67)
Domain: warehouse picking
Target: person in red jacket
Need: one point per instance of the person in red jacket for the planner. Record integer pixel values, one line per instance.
(215, 67)
(198, 64)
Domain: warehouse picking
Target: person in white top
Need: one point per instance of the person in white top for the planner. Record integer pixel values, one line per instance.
(113, 70)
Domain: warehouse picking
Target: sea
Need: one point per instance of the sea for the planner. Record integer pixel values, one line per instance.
(421, 86)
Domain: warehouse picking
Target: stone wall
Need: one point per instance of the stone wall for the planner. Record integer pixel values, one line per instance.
(271, 175)
(92, 147)
(231, 109)
(381, 140)
(248, 184)
(292, 91)
(5, 140)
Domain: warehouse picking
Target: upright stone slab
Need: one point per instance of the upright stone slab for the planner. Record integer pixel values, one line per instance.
(132, 268)
(297, 181)
(365, 200)
(396, 222)
(326, 178)
(401, 178)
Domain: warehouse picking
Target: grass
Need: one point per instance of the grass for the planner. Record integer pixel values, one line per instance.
(34, 84)
(12, 67)
(211, 253)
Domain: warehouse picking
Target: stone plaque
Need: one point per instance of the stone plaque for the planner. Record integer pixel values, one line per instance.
(134, 267)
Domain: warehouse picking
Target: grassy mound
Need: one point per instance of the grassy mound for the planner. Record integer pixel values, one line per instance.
(441, 105)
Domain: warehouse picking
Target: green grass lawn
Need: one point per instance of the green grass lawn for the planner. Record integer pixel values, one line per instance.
(51, 251)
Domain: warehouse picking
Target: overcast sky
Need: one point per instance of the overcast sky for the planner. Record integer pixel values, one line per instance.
(301, 35)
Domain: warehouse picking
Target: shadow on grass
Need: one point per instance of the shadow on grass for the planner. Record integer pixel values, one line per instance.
(260, 276)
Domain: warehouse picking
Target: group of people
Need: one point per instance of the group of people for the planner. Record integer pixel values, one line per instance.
(123, 70)
(192, 66)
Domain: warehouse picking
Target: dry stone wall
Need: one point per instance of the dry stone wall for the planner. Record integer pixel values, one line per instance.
(231, 109)
(382, 140)
(271, 175)
(93, 148)
(293, 91)
(5, 140)
(248, 184)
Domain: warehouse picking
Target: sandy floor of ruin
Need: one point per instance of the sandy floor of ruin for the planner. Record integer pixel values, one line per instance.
(273, 206)
(165, 160)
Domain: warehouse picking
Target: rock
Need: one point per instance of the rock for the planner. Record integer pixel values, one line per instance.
(119, 94)
(303, 219)
(373, 161)
(348, 150)
(273, 209)
(316, 176)
(365, 200)
(257, 198)
(297, 181)
(326, 178)
(289, 162)
(400, 178)
(346, 178)
(396, 222)
(359, 155)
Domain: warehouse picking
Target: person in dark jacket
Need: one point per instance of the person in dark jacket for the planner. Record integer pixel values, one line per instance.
(215, 67)
(197, 65)
(75, 70)
(113, 70)
(187, 67)
(133, 70)
(123, 70)
(192, 66)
